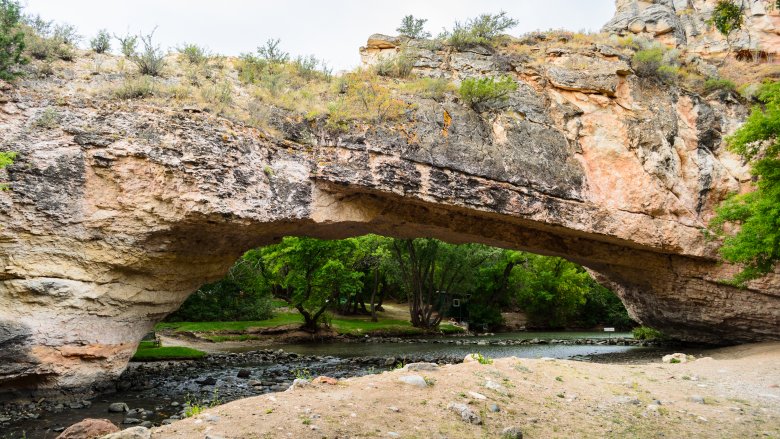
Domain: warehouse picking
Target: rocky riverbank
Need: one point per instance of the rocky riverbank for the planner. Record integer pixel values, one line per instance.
(734, 393)
(150, 394)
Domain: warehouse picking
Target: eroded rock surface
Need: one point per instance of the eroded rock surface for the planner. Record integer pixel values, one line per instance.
(122, 209)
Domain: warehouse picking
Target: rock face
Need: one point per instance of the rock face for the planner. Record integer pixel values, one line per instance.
(684, 23)
(123, 209)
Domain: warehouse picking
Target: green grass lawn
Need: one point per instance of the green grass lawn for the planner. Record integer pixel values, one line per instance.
(354, 326)
(147, 351)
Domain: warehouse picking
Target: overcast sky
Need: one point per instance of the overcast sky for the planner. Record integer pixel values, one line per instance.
(332, 30)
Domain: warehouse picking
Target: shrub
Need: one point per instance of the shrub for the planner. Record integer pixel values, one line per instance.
(221, 93)
(432, 88)
(646, 333)
(48, 119)
(46, 41)
(135, 88)
(11, 41)
(481, 92)
(713, 84)
(366, 98)
(272, 53)
(193, 53)
(6, 159)
(413, 27)
(481, 359)
(102, 42)
(397, 66)
(150, 60)
(647, 62)
(481, 30)
(127, 44)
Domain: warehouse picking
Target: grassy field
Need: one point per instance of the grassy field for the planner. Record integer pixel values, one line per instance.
(147, 351)
(344, 325)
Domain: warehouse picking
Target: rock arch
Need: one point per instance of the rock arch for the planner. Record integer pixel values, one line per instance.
(124, 209)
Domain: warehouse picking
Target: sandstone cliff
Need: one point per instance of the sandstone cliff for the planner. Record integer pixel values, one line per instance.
(120, 209)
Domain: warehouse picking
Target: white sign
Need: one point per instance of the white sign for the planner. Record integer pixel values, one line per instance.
(609, 329)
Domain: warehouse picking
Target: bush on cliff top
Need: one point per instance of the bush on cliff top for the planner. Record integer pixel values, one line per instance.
(482, 30)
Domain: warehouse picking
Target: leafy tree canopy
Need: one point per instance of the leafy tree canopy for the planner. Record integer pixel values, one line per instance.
(757, 243)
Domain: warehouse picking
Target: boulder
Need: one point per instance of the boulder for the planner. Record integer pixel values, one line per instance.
(89, 429)
(118, 407)
(413, 380)
(131, 433)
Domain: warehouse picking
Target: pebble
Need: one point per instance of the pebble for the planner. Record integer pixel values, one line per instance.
(494, 408)
(492, 385)
(466, 414)
(697, 399)
(476, 395)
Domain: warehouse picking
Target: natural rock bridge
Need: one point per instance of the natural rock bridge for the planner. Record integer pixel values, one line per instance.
(120, 212)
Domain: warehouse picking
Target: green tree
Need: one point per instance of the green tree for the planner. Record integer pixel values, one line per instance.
(310, 274)
(727, 17)
(551, 290)
(11, 40)
(102, 42)
(435, 273)
(603, 307)
(413, 28)
(757, 213)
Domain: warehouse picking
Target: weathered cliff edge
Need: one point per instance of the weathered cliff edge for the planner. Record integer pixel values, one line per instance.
(124, 208)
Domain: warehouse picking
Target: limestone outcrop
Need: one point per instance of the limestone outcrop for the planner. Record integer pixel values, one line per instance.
(121, 209)
(685, 23)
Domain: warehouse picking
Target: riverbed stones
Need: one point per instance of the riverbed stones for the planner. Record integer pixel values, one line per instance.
(88, 429)
(421, 367)
(118, 407)
(414, 380)
(244, 373)
(465, 412)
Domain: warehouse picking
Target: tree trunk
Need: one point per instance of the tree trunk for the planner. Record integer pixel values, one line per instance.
(373, 294)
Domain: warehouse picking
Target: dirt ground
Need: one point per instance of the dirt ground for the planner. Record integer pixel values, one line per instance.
(733, 394)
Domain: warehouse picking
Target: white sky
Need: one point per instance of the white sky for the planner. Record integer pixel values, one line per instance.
(330, 29)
